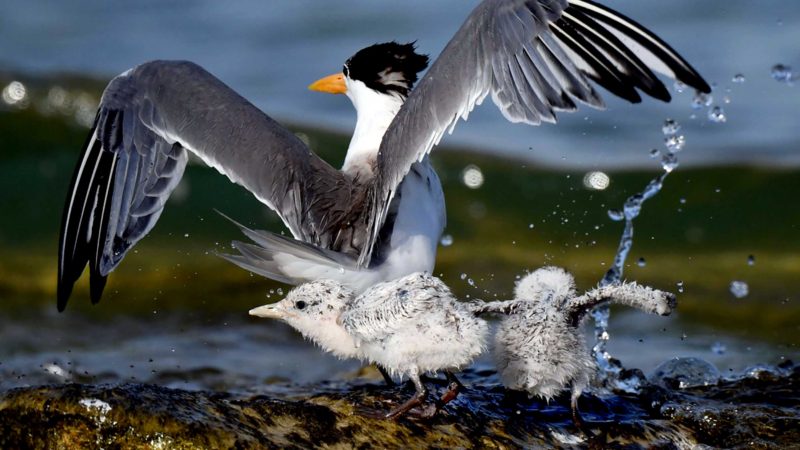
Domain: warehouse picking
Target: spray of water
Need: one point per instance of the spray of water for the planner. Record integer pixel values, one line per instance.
(609, 367)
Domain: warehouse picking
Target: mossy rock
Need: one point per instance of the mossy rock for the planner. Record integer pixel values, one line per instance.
(759, 410)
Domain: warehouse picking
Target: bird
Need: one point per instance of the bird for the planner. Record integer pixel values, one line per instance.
(410, 326)
(538, 346)
(381, 215)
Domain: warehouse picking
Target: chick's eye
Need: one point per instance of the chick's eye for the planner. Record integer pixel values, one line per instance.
(300, 304)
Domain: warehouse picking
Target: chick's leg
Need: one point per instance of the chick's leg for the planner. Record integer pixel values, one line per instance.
(453, 389)
(418, 398)
(386, 377)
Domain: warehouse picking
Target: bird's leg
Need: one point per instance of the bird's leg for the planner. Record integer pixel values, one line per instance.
(453, 389)
(388, 379)
(576, 414)
(416, 400)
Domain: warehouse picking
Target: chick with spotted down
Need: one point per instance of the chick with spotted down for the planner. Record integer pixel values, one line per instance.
(408, 326)
(539, 347)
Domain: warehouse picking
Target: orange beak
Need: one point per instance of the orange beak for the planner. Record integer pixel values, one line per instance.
(332, 84)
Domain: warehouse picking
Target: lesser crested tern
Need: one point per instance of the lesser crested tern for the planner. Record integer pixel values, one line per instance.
(381, 216)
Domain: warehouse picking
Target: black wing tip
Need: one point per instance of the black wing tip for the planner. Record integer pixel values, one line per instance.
(97, 283)
(684, 72)
(699, 84)
(63, 293)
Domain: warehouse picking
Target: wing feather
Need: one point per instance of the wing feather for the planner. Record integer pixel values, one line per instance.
(534, 57)
(149, 118)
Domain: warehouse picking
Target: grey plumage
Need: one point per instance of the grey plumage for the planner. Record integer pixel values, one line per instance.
(535, 57)
(148, 118)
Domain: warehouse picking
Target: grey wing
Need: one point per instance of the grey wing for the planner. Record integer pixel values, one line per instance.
(149, 117)
(534, 57)
(393, 305)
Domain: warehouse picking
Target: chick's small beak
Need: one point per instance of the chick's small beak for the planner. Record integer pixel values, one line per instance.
(267, 311)
(332, 84)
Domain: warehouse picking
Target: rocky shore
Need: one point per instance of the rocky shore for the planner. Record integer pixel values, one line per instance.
(758, 409)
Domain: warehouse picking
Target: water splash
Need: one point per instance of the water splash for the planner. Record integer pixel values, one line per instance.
(739, 289)
(783, 74)
(702, 100)
(675, 143)
(609, 367)
(670, 127)
(472, 177)
(446, 240)
(717, 115)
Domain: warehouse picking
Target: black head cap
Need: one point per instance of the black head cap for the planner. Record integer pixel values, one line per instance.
(388, 67)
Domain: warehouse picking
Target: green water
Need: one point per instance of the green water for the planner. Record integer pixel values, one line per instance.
(700, 230)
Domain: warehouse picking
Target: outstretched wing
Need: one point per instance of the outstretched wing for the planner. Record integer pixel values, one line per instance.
(534, 57)
(149, 117)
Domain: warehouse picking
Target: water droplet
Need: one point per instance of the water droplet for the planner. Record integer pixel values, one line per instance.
(670, 127)
(472, 176)
(463, 276)
(655, 153)
(341, 269)
(530, 226)
(679, 285)
(596, 181)
(641, 262)
(679, 87)
(675, 143)
(633, 206)
(738, 78)
(15, 93)
(701, 100)
(782, 73)
(446, 240)
(186, 235)
(682, 201)
(751, 260)
(717, 115)
(471, 282)
(669, 162)
(739, 289)
(615, 215)
(718, 348)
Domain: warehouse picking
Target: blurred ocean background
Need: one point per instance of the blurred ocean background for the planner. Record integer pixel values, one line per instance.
(175, 314)
(270, 52)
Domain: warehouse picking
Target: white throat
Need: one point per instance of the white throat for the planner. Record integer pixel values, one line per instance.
(375, 112)
(329, 335)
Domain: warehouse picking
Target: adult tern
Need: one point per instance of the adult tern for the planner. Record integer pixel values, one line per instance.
(364, 223)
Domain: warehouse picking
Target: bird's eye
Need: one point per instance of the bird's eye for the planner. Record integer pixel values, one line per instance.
(300, 304)
(345, 71)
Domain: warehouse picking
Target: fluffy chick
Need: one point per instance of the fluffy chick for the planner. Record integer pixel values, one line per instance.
(539, 347)
(408, 326)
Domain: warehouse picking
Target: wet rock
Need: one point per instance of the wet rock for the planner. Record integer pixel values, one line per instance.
(750, 411)
(685, 372)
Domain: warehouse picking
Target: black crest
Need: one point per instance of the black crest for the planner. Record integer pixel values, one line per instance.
(388, 67)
